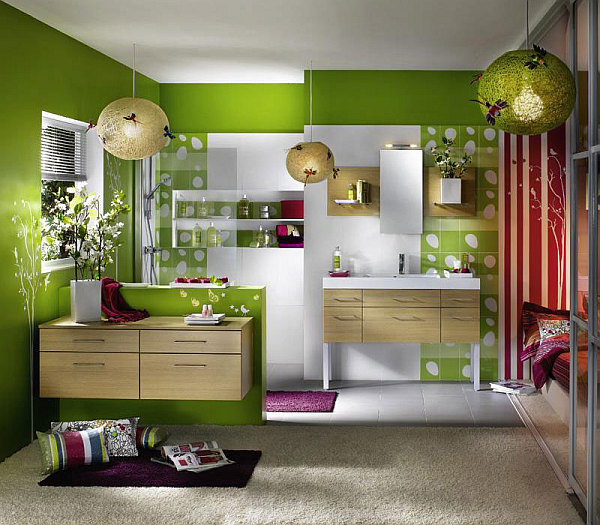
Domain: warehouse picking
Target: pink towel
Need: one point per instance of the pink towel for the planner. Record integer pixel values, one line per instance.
(114, 306)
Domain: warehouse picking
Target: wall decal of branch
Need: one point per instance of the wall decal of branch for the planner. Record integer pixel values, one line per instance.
(29, 277)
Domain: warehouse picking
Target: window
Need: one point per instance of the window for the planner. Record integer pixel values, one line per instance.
(66, 151)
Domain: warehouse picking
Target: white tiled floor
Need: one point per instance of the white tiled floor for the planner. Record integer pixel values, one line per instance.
(396, 403)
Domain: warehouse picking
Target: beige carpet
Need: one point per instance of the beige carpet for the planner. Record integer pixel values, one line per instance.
(353, 475)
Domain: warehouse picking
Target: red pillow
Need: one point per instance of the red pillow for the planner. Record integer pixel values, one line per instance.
(530, 315)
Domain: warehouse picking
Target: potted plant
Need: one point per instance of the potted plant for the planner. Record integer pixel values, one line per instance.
(452, 166)
(90, 238)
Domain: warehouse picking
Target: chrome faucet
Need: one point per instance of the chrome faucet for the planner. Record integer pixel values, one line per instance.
(401, 263)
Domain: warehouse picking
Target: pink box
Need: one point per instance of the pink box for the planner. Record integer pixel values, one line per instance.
(292, 209)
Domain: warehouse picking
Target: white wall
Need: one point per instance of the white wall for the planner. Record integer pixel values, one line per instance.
(257, 162)
(365, 250)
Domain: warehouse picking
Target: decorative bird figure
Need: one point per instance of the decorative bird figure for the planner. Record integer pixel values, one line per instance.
(537, 59)
(493, 110)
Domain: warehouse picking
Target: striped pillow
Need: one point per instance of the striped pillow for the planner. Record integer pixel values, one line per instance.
(62, 450)
(150, 437)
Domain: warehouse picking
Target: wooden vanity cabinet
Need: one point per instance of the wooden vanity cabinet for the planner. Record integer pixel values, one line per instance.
(401, 316)
(156, 358)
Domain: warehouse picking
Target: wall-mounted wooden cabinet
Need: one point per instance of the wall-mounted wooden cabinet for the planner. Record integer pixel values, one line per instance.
(157, 358)
(432, 190)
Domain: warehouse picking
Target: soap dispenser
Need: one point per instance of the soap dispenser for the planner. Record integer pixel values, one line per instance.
(337, 259)
(197, 236)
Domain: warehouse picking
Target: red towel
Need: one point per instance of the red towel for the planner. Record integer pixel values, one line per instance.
(115, 307)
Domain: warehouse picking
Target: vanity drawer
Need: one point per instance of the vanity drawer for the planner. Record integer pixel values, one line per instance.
(460, 298)
(86, 340)
(189, 376)
(89, 374)
(402, 298)
(402, 325)
(460, 325)
(342, 297)
(343, 325)
(191, 341)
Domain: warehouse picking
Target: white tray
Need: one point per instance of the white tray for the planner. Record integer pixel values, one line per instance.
(199, 285)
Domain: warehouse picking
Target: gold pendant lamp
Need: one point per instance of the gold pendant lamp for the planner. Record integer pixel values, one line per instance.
(310, 162)
(133, 128)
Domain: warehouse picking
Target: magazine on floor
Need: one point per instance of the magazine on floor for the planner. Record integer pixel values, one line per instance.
(513, 387)
(193, 457)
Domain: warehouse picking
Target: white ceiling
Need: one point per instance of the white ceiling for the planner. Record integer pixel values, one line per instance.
(274, 40)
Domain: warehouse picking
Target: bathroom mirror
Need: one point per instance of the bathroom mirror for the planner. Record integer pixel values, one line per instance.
(401, 181)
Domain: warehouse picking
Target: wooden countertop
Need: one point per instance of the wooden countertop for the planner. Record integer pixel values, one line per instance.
(150, 323)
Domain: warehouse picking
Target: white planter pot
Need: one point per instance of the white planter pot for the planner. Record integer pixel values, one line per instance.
(86, 299)
(451, 191)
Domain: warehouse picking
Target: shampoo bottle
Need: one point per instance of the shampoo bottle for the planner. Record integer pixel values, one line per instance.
(243, 208)
(197, 236)
(337, 259)
(211, 236)
(202, 208)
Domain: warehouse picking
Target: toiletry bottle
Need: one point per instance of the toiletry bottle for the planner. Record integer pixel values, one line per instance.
(261, 237)
(210, 310)
(465, 263)
(243, 208)
(197, 236)
(267, 241)
(202, 209)
(204, 310)
(211, 236)
(351, 194)
(219, 238)
(179, 206)
(337, 259)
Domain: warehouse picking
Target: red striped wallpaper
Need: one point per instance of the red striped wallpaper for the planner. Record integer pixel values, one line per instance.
(533, 234)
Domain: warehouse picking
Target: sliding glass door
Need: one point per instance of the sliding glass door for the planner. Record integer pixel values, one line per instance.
(584, 184)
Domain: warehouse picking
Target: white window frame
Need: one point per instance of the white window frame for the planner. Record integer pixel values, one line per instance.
(94, 173)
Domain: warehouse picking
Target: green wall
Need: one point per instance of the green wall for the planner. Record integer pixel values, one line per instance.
(42, 69)
(234, 108)
(392, 97)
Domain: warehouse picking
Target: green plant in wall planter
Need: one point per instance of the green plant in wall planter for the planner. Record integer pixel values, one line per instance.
(90, 238)
(452, 166)
(29, 277)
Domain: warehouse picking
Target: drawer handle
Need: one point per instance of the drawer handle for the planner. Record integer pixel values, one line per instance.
(189, 365)
(346, 299)
(456, 318)
(346, 317)
(88, 340)
(413, 318)
(88, 364)
(459, 300)
(407, 299)
(190, 341)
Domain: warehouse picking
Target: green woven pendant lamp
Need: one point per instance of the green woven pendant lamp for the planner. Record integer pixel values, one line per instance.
(526, 92)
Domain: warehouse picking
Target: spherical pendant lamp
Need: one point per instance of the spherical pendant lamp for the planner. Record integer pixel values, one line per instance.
(133, 128)
(527, 92)
(310, 162)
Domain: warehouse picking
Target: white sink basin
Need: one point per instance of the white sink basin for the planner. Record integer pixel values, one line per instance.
(404, 275)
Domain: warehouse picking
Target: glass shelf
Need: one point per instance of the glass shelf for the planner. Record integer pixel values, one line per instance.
(230, 219)
(346, 202)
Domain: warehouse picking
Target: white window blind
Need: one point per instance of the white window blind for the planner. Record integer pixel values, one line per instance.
(63, 151)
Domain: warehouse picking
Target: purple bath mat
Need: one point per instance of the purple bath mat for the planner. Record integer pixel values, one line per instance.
(141, 472)
(300, 401)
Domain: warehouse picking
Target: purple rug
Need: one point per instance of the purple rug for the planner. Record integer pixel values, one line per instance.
(300, 401)
(141, 472)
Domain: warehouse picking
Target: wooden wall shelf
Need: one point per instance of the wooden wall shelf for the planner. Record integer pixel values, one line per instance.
(337, 190)
(432, 206)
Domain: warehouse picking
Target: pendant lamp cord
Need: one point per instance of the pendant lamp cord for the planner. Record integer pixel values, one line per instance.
(134, 70)
(310, 102)
(526, 24)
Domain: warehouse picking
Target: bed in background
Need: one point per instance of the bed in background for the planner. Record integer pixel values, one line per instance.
(549, 357)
